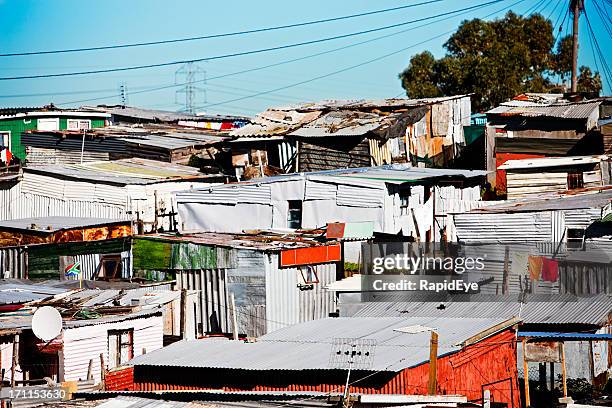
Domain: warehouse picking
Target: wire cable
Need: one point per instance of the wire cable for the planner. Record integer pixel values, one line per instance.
(346, 68)
(211, 36)
(242, 53)
(276, 64)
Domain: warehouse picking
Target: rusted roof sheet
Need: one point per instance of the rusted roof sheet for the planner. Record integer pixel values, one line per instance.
(340, 123)
(54, 224)
(256, 240)
(274, 122)
(368, 104)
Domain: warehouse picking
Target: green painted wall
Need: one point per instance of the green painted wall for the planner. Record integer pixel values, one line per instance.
(43, 260)
(17, 126)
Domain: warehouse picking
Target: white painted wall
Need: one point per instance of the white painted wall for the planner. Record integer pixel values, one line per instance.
(82, 344)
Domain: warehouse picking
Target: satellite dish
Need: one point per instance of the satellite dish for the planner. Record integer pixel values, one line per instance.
(47, 323)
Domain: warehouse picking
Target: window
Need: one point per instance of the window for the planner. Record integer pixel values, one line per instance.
(48, 124)
(574, 238)
(294, 219)
(78, 124)
(307, 278)
(5, 140)
(110, 267)
(575, 180)
(404, 196)
(120, 347)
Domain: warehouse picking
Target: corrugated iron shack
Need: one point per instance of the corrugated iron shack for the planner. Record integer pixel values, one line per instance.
(534, 177)
(396, 199)
(15, 121)
(334, 134)
(552, 227)
(92, 337)
(131, 114)
(276, 279)
(540, 125)
(473, 354)
(136, 189)
(544, 314)
(47, 248)
(172, 144)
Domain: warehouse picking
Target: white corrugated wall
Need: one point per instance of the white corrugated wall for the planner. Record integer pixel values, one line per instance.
(9, 200)
(83, 344)
(286, 304)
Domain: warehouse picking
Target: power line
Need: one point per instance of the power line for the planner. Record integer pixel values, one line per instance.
(349, 67)
(276, 63)
(242, 53)
(211, 36)
(606, 69)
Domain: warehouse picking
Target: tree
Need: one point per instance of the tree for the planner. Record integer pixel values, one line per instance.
(587, 82)
(496, 60)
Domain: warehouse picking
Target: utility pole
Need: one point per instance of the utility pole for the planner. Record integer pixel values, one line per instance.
(192, 73)
(576, 6)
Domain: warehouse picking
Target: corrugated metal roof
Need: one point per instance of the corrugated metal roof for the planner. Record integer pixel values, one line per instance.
(17, 293)
(340, 123)
(372, 177)
(261, 241)
(551, 162)
(274, 122)
(159, 115)
(566, 336)
(568, 110)
(593, 310)
(596, 199)
(123, 172)
(54, 224)
(308, 346)
(367, 103)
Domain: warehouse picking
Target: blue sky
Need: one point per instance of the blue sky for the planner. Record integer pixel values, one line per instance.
(31, 25)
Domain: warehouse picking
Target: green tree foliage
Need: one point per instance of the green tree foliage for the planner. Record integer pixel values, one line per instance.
(496, 60)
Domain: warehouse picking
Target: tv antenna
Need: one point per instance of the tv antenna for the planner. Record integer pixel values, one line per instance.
(191, 73)
(349, 353)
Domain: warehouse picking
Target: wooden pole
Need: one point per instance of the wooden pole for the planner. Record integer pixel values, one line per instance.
(90, 369)
(505, 286)
(14, 359)
(563, 370)
(102, 370)
(234, 319)
(433, 364)
(183, 322)
(526, 374)
(576, 6)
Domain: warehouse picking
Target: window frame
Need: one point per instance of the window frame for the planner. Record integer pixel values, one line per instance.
(118, 334)
(78, 122)
(290, 211)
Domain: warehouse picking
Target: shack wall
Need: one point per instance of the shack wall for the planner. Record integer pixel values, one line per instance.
(82, 344)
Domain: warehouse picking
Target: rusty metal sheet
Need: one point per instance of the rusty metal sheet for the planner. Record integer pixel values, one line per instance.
(543, 352)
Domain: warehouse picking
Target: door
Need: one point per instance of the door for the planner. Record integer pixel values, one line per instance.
(48, 124)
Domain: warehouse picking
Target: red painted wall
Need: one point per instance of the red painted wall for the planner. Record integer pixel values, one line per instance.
(490, 363)
(501, 158)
